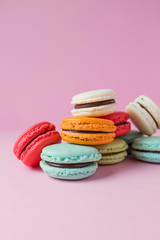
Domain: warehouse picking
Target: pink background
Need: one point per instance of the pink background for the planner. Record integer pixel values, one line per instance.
(50, 51)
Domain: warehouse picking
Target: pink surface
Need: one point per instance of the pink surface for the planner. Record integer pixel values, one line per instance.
(51, 50)
(118, 202)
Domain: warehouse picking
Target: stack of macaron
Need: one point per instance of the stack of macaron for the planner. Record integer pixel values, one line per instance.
(96, 122)
(97, 134)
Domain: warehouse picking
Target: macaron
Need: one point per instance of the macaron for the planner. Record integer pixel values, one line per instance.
(69, 161)
(120, 120)
(130, 137)
(29, 145)
(94, 103)
(87, 131)
(113, 152)
(147, 149)
(145, 114)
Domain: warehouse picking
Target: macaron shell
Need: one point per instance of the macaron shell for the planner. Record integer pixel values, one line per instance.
(31, 156)
(117, 117)
(94, 96)
(118, 145)
(65, 153)
(141, 119)
(146, 156)
(112, 158)
(88, 124)
(69, 173)
(123, 129)
(131, 136)
(147, 143)
(30, 134)
(95, 111)
(87, 138)
(151, 106)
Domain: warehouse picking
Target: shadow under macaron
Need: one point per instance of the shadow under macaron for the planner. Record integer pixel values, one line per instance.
(107, 171)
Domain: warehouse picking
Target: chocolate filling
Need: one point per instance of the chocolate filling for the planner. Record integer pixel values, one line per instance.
(149, 114)
(146, 151)
(32, 141)
(75, 165)
(118, 124)
(94, 104)
(74, 131)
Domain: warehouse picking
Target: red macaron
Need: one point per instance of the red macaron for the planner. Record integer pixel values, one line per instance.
(120, 120)
(29, 145)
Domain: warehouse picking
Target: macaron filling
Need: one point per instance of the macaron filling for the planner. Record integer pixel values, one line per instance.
(94, 104)
(71, 165)
(145, 151)
(148, 113)
(112, 153)
(75, 131)
(119, 124)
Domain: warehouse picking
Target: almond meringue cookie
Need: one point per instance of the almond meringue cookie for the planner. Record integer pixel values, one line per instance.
(69, 161)
(147, 149)
(145, 114)
(94, 103)
(113, 152)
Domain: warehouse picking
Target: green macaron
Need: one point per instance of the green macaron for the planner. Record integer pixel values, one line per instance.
(147, 149)
(113, 152)
(69, 161)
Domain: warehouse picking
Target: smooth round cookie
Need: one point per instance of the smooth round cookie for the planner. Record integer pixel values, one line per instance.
(147, 149)
(94, 96)
(120, 120)
(69, 161)
(113, 152)
(131, 136)
(67, 173)
(151, 107)
(87, 131)
(66, 153)
(87, 138)
(94, 103)
(29, 145)
(145, 114)
(113, 158)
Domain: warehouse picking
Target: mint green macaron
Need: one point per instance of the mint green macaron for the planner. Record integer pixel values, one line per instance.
(69, 161)
(113, 152)
(147, 149)
(130, 137)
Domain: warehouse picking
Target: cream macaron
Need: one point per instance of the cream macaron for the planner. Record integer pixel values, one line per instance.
(145, 114)
(94, 103)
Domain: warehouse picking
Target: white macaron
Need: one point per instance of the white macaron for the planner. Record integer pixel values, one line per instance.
(94, 103)
(145, 114)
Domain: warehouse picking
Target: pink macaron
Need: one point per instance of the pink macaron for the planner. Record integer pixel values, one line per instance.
(29, 145)
(120, 120)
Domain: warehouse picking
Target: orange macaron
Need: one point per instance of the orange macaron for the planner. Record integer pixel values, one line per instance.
(87, 131)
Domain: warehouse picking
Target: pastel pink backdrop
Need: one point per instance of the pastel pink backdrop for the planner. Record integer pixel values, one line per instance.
(49, 51)
(52, 50)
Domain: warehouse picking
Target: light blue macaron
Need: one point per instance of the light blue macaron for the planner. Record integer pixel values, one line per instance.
(147, 149)
(130, 137)
(69, 161)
